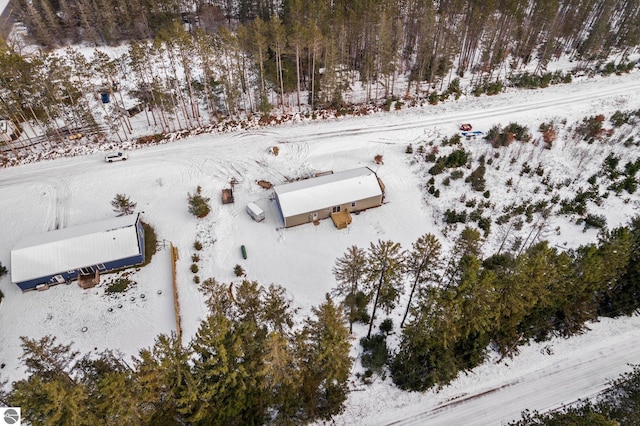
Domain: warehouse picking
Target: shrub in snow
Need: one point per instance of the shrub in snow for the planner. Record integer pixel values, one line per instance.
(591, 128)
(456, 174)
(375, 353)
(197, 245)
(123, 205)
(476, 178)
(150, 242)
(238, 270)
(453, 140)
(194, 268)
(452, 216)
(120, 285)
(484, 223)
(594, 221)
(198, 205)
(619, 118)
(498, 136)
(457, 158)
(386, 326)
(526, 169)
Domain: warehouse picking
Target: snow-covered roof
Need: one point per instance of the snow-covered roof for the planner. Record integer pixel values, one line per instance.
(71, 248)
(327, 191)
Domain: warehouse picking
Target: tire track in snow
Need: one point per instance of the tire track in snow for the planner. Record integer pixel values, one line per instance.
(577, 375)
(10, 177)
(471, 115)
(59, 198)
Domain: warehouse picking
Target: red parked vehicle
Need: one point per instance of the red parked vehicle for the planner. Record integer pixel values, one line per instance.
(466, 127)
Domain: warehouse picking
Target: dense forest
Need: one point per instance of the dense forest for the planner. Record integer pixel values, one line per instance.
(191, 64)
(249, 363)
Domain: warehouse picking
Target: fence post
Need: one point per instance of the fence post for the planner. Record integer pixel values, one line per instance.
(174, 257)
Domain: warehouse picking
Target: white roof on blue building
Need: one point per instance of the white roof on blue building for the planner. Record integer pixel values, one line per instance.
(72, 248)
(326, 191)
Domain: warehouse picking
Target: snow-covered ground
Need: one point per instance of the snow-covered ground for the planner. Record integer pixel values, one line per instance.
(69, 191)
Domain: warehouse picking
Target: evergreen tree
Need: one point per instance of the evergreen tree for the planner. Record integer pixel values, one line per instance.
(467, 244)
(281, 378)
(219, 394)
(112, 388)
(623, 290)
(425, 356)
(52, 401)
(472, 303)
(324, 347)
(422, 264)
(123, 205)
(198, 205)
(276, 310)
(384, 275)
(53, 393)
(162, 378)
(349, 272)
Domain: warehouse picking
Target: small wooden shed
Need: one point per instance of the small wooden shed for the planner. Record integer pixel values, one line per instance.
(227, 196)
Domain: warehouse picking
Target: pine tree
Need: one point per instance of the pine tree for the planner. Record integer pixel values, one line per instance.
(281, 376)
(163, 377)
(423, 262)
(384, 274)
(52, 401)
(220, 392)
(276, 310)
(324, 347)
(47, 359)
(349, 272)
(52, 394)
(111, 386)
(425, 357)
(467, 244)
(278, 37)
(123, 205)
(474, 304)
(621, 264)
(198, 205)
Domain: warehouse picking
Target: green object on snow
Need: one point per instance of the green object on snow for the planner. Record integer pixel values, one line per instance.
(244, 252)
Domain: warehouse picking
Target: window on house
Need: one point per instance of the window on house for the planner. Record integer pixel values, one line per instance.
(353, 204)
(101, 266)
(336, 209)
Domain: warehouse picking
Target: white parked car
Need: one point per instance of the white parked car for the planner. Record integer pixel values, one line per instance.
(115, 156)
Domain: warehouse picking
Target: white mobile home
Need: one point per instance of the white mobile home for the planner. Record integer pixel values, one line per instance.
(318, 198)
(65, 254)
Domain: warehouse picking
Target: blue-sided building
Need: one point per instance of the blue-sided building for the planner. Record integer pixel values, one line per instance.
(61, 256)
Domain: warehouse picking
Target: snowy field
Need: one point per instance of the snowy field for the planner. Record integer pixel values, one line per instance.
(35, 198)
